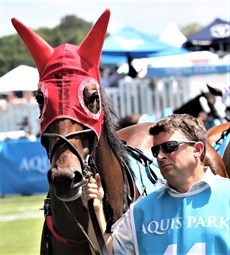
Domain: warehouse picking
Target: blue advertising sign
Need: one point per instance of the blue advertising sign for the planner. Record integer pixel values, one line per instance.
(187, 70)
(23, 167)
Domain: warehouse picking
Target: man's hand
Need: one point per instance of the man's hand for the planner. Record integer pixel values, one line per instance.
(93, 190)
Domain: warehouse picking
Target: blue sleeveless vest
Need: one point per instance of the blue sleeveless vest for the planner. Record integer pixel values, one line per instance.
(191, 224)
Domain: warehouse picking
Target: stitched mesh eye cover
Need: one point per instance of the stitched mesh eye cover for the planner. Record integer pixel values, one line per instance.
(64, 99)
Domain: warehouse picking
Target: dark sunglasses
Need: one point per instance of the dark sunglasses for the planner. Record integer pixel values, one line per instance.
(168, 147)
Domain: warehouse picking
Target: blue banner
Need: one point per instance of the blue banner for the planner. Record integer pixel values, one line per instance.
(23, 167)
(187, 70)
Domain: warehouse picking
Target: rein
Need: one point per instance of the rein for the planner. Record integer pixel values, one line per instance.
(144, 160)
(61, 239)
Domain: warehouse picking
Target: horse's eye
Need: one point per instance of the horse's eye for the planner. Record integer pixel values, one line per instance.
(92, 102)
(94, 97)
(40, 99)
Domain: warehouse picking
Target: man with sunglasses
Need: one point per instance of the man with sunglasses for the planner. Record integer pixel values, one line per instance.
(189, 215)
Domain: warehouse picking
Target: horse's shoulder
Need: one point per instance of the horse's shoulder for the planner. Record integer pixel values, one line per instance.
(215, 132)
(219, 128)
(137, 136)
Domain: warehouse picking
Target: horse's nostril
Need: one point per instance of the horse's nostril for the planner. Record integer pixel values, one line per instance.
(77, 177)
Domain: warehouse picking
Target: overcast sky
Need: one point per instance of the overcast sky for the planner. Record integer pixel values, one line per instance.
(150, 16)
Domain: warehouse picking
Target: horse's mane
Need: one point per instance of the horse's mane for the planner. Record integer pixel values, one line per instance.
(111, 126)
(117, 145)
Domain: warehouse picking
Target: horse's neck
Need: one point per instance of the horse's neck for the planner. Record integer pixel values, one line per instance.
(64, 222)
(105, 156)
(111, 171)
(66, 237)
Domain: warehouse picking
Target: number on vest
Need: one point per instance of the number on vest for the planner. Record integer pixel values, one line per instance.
(197, 248)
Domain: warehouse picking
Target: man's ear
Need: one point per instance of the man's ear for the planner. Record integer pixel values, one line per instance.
(198, 148)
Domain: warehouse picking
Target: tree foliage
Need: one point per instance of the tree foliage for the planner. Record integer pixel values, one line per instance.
(191, 29)
(14, 53)
(70, 30)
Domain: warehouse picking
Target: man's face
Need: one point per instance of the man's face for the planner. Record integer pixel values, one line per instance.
(177, 166)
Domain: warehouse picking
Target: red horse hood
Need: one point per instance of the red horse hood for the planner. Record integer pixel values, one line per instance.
(64, 73)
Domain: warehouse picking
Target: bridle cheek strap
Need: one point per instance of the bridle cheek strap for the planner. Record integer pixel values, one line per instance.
(64, 138)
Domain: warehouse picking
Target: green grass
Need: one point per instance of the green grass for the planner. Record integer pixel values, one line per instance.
(21, 224)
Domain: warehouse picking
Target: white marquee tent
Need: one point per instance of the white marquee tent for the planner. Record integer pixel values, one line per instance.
(172, 35)
(21, 78)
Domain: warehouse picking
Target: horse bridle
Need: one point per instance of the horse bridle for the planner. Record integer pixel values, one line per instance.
(65, 138)
(86, 166)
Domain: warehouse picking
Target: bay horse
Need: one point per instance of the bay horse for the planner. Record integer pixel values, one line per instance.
(78, 130)
(219, 137)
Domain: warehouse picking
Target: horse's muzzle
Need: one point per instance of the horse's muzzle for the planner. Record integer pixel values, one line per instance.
(66, 186)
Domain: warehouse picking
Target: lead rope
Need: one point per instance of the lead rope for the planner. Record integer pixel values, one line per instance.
(88, 164)
(97, 228)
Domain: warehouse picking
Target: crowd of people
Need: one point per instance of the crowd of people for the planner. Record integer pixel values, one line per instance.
(110, 75)
(22, 123)
(15, 97)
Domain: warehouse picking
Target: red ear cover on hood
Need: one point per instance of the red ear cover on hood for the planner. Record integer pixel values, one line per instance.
(39, 49)
(94, 41)
(89, 50)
